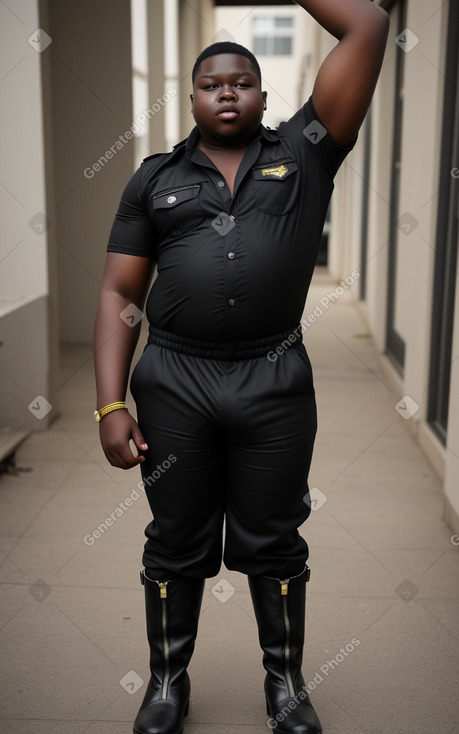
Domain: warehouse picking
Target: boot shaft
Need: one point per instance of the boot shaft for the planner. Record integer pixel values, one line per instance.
(172, 616)
(280, 606)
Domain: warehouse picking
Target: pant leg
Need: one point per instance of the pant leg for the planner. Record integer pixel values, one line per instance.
(269, 446)
(183, 471)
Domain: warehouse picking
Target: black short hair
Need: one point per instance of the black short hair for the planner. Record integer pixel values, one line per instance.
(225, 47)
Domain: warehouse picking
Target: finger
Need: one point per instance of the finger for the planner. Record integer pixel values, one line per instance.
(139, 441)
(125, 459)
(130, 460)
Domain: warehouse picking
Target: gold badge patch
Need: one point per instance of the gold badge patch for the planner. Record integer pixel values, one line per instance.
(277, 171)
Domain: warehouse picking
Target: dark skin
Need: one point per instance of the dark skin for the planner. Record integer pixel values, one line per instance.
(228, 106)
(342, 94)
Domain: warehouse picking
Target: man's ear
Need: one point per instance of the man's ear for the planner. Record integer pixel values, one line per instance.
(191, 97)
(265, 100)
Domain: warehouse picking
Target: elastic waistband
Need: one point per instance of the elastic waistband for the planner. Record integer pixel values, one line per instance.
(226, 351)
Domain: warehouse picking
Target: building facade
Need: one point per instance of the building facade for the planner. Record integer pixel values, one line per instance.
(395, 219)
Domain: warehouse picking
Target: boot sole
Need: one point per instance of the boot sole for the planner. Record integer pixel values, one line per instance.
(279, 731)
(185, 713)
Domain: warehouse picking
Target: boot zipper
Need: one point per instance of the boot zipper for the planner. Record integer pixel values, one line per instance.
(287, 673)
(163, 600)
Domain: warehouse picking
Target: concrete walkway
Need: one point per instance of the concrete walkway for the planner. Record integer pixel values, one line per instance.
(383, 602)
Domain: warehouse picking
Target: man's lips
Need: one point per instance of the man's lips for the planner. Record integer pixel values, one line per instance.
(228, 113)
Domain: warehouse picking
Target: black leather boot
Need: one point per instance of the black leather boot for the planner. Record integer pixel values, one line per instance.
(280, 606)
(172, 613)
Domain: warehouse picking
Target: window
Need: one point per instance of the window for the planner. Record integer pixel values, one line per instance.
(395, 344)
(364, 232)
(446, 247)
(272, 35)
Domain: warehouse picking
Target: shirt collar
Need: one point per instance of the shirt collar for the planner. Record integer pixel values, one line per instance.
(190, 142)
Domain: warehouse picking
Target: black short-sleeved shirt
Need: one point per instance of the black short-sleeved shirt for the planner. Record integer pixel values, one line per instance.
(232, 268)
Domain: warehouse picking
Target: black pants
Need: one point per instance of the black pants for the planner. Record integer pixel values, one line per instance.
(230, 438)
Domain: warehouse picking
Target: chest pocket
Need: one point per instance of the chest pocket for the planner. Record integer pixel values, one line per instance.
(177, 210)
(276, 186)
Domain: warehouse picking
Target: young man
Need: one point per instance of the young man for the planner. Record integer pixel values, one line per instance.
(224, 392)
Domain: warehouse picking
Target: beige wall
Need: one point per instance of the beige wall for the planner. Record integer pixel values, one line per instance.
(92, 107)
(22, 196)
(421, 146)
(421, 140)
(27, 301)
(418, 189)
(156, 71)
(195, 32)
(66, 100)
(419, 195)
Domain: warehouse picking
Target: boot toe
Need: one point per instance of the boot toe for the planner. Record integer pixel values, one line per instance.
(293, 716)
(160, 717)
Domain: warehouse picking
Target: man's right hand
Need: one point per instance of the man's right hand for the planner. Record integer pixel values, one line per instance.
(116, 429)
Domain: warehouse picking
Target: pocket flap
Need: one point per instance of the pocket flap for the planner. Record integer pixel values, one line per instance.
(174, 197)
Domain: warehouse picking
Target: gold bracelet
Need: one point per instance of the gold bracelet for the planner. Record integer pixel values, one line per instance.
(99, 414)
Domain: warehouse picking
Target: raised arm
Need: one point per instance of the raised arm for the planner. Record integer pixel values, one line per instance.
(347, 77)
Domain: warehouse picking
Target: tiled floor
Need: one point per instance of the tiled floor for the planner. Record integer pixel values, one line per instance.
(385, 574)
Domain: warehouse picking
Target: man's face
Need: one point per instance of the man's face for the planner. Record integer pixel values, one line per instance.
(227, 100)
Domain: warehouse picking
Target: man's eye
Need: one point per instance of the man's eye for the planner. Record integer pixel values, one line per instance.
(242, 84)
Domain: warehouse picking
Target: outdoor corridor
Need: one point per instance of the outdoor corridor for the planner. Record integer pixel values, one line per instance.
(382, 649)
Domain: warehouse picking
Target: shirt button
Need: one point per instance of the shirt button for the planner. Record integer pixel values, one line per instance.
(221, 184)
(231, 302)
(231, 218)
(171, 199)
(231, 255)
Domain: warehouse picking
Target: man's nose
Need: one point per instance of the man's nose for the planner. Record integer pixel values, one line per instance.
(228, 92)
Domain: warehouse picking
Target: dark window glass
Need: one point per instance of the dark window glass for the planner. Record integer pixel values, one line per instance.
(282, 46)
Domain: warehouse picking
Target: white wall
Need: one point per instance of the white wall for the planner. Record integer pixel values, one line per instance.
(92, 110)
(379, 197)
(421, 140)
(27, 323)
(420, 188)
(196, 32)
(23, 273)
(419, 185)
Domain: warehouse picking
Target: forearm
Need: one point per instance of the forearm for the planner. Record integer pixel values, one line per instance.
(114, 345)
(341, 17)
